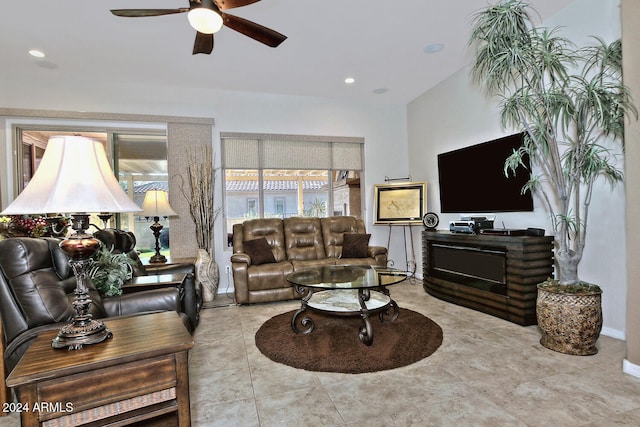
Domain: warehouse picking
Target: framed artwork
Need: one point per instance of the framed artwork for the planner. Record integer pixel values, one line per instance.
(403, 203)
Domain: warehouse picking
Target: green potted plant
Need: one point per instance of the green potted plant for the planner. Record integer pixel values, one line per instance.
(571, 104)
(110, 271)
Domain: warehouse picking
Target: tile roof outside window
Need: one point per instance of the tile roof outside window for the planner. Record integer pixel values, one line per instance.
(273, 185)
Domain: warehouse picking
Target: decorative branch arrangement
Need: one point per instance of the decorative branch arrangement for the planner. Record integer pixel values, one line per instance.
(198, 188)
(199, 191)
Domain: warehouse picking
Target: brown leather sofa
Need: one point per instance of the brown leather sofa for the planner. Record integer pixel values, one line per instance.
(295, 243)
(37, 291)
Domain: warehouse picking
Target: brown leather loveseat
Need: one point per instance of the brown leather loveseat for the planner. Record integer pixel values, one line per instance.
(266, 250)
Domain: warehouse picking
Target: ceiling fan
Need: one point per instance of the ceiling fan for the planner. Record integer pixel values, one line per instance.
(207, 17)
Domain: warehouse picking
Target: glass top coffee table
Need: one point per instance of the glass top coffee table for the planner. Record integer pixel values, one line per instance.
(346, 290)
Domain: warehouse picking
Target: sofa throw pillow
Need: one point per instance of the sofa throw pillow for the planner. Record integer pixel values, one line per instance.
(354, 245)
(259, 251)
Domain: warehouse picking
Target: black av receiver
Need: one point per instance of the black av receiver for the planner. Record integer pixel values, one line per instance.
(471, 225)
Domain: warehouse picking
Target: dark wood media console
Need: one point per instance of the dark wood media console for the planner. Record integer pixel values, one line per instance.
(493, 274)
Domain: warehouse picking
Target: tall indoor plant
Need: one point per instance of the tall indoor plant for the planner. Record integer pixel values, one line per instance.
(198, 188)
(571, 104)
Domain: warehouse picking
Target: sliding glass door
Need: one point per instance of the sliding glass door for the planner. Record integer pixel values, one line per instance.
(139, 160)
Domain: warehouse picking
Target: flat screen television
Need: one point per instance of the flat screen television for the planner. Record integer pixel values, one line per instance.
(472, 179)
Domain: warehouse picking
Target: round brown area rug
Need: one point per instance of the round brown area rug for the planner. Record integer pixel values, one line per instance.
(334, 346)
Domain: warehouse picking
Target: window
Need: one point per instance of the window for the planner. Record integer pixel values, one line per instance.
(32, 151)
(279, 206)
(139, 161)
(141, 164)
(252, 208)
(283, 176)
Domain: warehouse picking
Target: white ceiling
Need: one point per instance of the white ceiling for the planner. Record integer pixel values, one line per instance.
(379, 43)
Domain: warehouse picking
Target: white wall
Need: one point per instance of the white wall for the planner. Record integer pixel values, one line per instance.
(382, 127)
(456, 114)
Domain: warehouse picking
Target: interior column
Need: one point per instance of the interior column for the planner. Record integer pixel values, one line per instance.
(630, 12)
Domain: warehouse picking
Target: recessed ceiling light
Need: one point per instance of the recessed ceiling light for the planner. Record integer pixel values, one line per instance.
(433, 48)
(36, 53)
(349, 80)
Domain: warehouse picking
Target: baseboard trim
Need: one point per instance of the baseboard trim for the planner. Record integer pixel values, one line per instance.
(613, 333)
(630, 368)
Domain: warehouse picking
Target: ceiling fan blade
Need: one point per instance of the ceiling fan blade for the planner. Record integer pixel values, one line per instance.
(136, 13)
(255, 31)
(203, 43)
(230, 4)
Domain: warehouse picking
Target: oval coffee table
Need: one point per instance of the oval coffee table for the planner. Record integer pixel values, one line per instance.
(346, 290)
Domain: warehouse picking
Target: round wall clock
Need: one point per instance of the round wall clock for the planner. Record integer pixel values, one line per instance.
(430, 220)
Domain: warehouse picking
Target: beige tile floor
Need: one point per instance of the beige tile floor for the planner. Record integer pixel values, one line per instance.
(488, 372)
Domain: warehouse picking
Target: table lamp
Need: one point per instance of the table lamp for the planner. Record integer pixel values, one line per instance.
(155, 205)
(74, 177)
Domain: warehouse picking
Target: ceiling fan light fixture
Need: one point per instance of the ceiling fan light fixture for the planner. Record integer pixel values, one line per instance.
(204, 19)
(207, 17)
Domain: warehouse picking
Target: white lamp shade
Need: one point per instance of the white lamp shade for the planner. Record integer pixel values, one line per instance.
(156, 203)
(74, 176)
(204, 20)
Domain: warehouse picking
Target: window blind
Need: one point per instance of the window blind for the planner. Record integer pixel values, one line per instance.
(242, 151)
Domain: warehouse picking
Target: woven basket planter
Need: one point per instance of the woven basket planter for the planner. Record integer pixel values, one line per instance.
(570, 323)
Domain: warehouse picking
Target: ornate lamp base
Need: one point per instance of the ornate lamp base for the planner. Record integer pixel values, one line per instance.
(78, 333)
(158, 259)
(83, 329)
(156, 227)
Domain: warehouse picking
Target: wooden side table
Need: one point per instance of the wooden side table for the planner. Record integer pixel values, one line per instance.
(170, 261)
(153, 281)
(140, 374)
